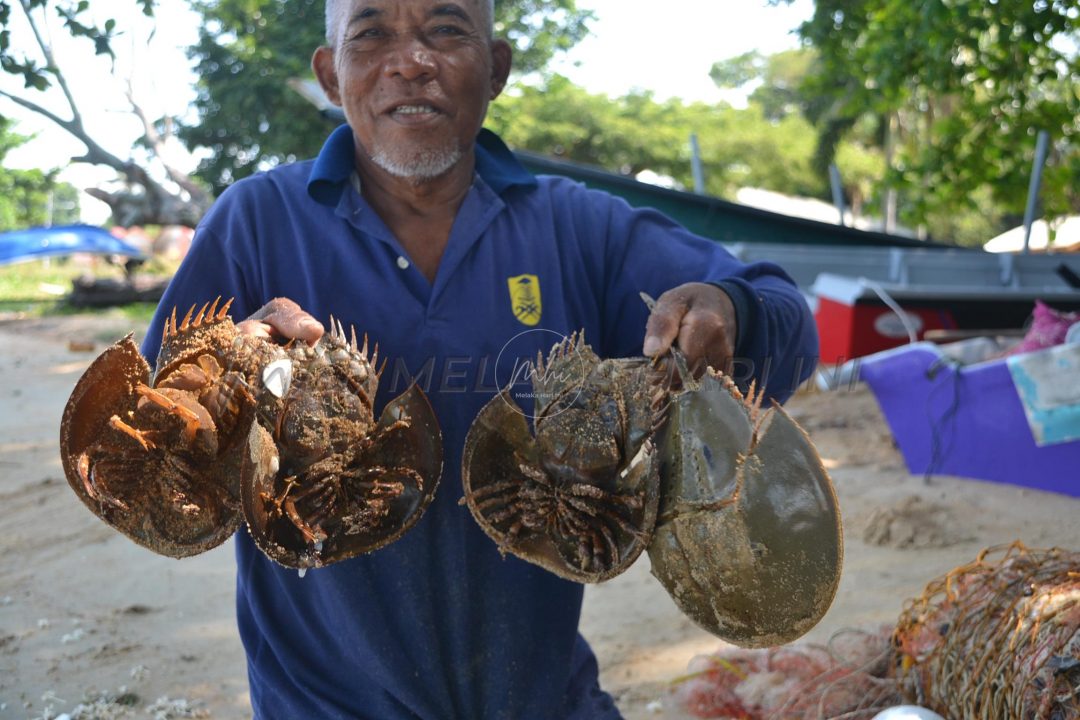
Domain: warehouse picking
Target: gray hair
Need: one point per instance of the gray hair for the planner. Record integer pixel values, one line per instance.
(334, 8)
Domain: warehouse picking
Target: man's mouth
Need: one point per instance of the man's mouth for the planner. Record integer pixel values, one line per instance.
(413, 110)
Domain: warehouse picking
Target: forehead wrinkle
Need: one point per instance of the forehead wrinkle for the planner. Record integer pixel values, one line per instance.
(337, 15)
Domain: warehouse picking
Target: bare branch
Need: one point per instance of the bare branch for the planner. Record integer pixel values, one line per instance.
(95, 154)
(34, 107)
(144, 200)
(157, 145)
(50, 60)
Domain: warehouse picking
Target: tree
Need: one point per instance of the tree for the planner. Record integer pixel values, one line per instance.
(31, 197)
(778, 80)
(635, 132)
(782, 94)
(960, 90)
(168, 196)
(249, 51)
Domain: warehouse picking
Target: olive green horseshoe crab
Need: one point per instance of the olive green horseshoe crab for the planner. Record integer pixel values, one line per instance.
(737, 513)
(748, 541)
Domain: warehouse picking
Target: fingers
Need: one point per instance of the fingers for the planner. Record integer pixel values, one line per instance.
(282, 319)
(699, 319)
(705, 339)
(662, 328)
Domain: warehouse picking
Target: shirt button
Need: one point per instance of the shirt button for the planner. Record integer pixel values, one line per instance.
(403, 262)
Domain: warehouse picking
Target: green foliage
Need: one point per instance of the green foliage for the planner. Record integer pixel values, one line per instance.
(24, 198)
(39, 77)
(25, 195)
(249, 118)
(781, 92)
(965, 85)
(248, 49)
(778, 80)
(539, 30)
(636, 132)
(735, 72)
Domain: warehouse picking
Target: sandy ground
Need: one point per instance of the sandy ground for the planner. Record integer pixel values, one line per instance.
(84, 611)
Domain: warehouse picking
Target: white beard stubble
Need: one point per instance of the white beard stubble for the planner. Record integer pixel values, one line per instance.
(416, 164)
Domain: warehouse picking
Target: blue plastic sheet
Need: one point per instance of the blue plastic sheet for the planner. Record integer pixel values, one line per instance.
(32, 243)
(1046, 382)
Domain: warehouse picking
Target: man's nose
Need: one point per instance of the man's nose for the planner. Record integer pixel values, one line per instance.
(410, 58)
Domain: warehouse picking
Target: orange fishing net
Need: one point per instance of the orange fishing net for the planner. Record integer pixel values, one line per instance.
(996, 638)
(845, 679)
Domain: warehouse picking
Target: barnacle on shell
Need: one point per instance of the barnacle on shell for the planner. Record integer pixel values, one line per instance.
(322, 480)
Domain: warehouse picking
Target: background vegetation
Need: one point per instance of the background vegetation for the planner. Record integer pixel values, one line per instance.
(929, 110)
(32, 197)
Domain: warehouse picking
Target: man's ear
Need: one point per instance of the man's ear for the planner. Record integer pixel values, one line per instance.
(322, 63)
(501, 60)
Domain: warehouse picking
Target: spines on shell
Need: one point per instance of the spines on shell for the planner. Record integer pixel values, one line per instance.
(208, 314)
(554, 377)
(210, 330)
(348, 340)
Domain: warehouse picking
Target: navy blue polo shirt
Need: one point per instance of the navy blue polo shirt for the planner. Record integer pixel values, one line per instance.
(439, 625)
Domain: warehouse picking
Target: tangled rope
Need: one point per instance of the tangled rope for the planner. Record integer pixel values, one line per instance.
(847, 679)
(996, 638)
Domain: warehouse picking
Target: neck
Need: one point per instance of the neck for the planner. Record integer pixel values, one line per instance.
(420, 213)
(392, 194)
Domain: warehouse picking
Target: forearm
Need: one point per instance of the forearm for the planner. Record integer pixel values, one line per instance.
(777, 344)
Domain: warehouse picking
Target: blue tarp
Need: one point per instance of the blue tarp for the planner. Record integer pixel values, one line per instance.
(20, 245)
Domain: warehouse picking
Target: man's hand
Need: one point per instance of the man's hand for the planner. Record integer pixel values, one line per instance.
(282, 319)
(700, 319)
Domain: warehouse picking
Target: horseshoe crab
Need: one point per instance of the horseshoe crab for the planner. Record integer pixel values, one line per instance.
(737, 513)
(322, 480)
(233, 428)
(748, 540)
(158, 459)
(578, 497)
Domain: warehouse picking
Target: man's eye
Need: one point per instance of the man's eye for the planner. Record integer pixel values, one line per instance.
(367, 34)
(447, 30)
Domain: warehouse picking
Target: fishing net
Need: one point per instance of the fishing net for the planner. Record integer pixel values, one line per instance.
(996, 638)
(847, 678)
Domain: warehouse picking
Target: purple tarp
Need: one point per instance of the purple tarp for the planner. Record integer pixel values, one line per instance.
(965, 420)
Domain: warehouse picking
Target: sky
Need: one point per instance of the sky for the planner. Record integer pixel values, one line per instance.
(667, 48)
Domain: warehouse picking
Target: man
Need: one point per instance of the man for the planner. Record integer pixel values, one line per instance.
(425, 233)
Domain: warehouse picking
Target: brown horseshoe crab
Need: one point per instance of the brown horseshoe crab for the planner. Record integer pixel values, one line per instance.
(159, 459)
(232, 428)
(322, 480)
(579, 497)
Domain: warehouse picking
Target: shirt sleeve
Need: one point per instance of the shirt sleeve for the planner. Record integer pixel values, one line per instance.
(644, 250)
(210, 270)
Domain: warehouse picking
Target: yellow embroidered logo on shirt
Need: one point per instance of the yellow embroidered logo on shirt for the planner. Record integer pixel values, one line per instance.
(525, 298)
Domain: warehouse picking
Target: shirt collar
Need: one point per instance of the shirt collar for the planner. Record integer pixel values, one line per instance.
(495, 164)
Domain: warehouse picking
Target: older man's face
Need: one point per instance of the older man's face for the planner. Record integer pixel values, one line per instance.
(414, 78)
